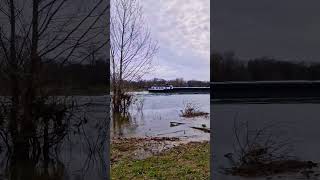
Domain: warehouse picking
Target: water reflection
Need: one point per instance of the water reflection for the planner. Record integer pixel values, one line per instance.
(66, 141)
(48, 168)
(120, 121)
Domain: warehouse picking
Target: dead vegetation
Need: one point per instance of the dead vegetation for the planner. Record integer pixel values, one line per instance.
(139, 102)
(192, 110)
(140, 148)
(262, 152)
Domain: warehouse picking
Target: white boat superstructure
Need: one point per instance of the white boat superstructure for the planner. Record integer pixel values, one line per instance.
(161, 87)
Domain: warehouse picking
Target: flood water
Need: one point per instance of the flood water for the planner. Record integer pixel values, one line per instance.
(298, 122)
(81, 154)
(157, 113)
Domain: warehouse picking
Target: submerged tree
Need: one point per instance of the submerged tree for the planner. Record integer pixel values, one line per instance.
(32, 34)
(132, 49)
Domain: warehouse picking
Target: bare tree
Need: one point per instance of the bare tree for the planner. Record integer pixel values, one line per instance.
(33, 33)
(132, 48)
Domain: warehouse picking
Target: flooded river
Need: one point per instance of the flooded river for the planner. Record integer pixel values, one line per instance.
(81, 154)
(83, 151)
(153, 119)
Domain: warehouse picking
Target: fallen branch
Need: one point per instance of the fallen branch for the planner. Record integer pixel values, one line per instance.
(207, 130)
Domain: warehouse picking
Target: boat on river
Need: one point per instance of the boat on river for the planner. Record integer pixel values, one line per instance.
(266, 89)
(171, 89)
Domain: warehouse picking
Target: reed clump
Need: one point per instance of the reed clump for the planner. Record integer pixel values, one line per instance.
(192, 110)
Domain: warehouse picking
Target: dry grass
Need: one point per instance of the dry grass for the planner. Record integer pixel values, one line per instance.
(186, 161)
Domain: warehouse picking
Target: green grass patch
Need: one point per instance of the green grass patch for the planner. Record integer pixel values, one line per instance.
(189, 161)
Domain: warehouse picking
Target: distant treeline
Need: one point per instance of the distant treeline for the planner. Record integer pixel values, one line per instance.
(228, 67)
(73, 78)
(179, 82)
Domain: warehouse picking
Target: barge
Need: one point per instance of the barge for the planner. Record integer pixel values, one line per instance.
(171, 89)
(265, 89)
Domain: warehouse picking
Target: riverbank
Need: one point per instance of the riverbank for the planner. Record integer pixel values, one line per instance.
(159, 158)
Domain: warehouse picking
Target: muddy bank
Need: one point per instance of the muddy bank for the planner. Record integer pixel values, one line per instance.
(142, 148)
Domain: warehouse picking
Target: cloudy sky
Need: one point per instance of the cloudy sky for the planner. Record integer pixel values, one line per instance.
(182, 29)
(286, 29)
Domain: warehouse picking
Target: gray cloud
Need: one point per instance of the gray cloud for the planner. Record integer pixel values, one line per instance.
(286, 29)
(182, 28)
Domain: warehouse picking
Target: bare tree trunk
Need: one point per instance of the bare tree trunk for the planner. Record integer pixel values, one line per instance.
(30, 38)
(132, 48)
(120, 85)
(19, 143)
(27, 125)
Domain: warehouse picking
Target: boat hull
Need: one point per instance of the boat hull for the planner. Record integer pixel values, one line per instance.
(192, 90)
(267, 89)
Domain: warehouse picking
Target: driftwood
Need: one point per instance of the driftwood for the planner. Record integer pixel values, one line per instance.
(171, 132)
(207, 130)
(172, 124)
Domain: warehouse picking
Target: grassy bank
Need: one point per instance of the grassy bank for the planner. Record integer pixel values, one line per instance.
(187, 161)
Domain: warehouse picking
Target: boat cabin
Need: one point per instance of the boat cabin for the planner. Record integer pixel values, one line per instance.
(161, 87)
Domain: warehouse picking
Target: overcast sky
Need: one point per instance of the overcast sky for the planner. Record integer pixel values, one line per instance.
(286, 29)
(182, 29)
